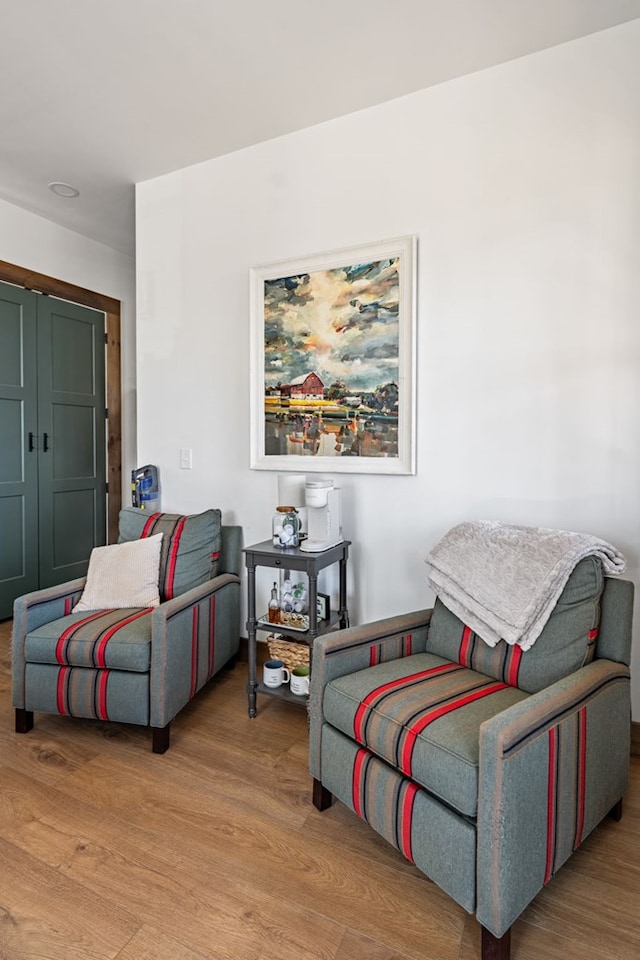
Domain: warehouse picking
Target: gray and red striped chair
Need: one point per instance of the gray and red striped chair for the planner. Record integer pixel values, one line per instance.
(486, 767)
(134, 665)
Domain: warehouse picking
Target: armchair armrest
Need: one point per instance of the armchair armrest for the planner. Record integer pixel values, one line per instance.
(342, 652)
(30, 612)
(170, 608)
(192, 636)
(551, 767)
(231, 550)
(33, 609)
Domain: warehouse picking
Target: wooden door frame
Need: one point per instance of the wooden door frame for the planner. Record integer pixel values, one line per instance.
(40, 283)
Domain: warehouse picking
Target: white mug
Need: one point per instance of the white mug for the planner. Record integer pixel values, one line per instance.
(274, 673)
(299, 682)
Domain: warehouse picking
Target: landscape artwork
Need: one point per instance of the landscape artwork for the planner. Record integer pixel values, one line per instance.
(333, 361)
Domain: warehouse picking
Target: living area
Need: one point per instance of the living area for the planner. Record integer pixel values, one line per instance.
(519, 182)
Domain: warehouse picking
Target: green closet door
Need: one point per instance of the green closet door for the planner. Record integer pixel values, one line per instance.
(71, 426)
(18, 463)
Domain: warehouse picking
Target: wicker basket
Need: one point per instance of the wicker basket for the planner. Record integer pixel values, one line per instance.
(292, 653)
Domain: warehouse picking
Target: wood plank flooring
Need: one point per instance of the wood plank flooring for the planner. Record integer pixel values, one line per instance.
(214, 852)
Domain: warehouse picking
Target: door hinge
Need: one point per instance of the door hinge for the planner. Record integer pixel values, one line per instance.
(106, 487)
(106, 413)
(106, 338)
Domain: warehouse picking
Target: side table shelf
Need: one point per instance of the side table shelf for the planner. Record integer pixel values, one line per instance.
(290, 558)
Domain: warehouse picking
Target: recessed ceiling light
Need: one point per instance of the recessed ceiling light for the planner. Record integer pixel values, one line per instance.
(64, 190)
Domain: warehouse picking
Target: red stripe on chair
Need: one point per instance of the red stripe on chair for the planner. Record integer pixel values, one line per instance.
(101, 704)
(212, 635)
(148, 527)
(356, 781)
(172, 559)
(582, 775)
(406, 817)
(100, 651)
(593, 634)
(66, 635)
(67, 606)
(194, 650)
(465, 643)
(455, 704)
(385, 688)
(61, 692)
(374, 655)
(407, 644)
(514, 658)
(551, 805)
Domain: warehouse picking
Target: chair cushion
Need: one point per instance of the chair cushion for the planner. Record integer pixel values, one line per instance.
(122, 575)
(190, 545)
(112, 639)
(422, 715)
(567, 642)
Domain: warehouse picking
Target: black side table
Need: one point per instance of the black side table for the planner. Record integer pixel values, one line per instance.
(290, 558)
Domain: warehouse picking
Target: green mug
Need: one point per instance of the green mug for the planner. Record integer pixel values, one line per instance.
(299, 682)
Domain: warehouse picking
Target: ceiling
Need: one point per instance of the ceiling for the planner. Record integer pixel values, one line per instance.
(102, 95)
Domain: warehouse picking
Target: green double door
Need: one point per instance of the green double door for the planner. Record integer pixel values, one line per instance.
(52, 441)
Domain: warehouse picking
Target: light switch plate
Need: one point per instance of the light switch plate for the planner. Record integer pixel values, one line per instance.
(186, 458)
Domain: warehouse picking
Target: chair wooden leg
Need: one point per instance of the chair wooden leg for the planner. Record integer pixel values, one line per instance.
(496, 948)
(322, 798)
(161, 738)
(616, 811)
(24, 720)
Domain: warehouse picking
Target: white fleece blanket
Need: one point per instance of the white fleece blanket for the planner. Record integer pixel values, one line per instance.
(503, 580)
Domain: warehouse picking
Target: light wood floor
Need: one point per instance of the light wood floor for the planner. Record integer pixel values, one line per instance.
(215, 851)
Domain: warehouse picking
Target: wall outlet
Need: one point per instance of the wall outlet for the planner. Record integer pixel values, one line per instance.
(186, 458)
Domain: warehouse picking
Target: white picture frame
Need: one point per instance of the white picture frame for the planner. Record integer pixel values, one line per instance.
(333, 339)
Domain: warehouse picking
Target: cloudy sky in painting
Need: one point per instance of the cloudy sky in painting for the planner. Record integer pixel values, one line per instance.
(340, 323)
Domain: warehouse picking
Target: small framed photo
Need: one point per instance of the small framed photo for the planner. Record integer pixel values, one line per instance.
(323, 606)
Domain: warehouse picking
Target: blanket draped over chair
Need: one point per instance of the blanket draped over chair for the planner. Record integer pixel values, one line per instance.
(503, 580)
(485, 765)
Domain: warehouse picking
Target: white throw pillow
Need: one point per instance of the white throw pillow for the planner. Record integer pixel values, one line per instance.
(122, 575)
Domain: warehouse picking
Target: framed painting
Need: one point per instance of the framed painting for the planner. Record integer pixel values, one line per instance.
(333, 361)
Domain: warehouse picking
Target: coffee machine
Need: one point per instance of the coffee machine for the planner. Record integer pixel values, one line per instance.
(324, 516)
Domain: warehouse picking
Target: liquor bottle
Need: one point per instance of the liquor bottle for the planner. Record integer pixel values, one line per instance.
(274, 606)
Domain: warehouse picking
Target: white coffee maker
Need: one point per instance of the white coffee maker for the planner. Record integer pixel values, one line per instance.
(324, 516)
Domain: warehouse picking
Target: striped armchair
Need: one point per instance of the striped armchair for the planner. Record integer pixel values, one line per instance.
(134, 665)
(486, 767)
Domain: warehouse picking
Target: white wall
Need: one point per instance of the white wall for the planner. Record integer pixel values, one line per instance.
(521, 183)
(37, 244)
